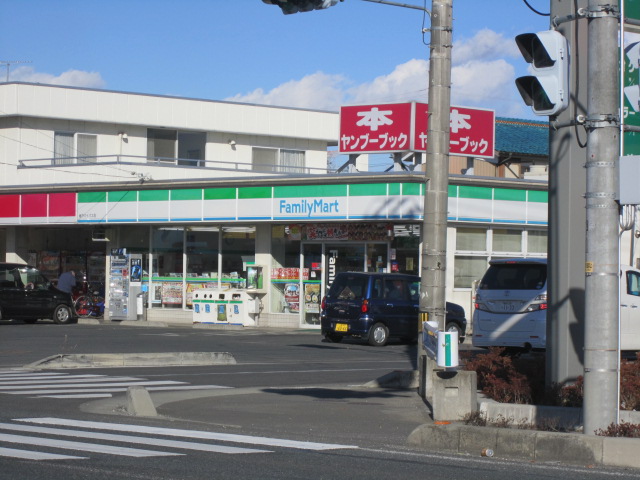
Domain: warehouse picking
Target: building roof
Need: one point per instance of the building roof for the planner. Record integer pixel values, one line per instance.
(519, 136)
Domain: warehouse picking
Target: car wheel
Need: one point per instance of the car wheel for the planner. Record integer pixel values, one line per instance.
(62, 315)
(454, 327)
(378, 335)
(333, 338)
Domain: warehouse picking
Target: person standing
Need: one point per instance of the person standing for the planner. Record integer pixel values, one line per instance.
(67, 281)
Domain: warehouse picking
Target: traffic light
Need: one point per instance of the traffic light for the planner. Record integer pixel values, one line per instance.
(547, 90)
(295, 6)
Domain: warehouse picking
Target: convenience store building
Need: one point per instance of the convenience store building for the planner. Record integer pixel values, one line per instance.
(234, 197)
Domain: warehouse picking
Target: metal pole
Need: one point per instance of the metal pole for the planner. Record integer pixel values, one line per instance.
(601, 267)
(434, 224)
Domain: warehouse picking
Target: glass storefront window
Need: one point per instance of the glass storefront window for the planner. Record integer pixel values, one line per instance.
(167, 268)
(507, 240)
(377, 257)
(202, 252)
(471, 239)
(238, 250)
(536, 241)
(202, 248)
(405, 247)
(467, 270)
(285, 269)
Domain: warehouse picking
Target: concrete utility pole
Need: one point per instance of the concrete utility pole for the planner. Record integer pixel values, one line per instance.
(602, 256)
(434, 224)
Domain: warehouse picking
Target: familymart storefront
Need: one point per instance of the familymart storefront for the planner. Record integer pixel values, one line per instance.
(277, 242)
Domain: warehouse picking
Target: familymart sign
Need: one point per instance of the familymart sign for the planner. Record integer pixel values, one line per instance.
(300, 203)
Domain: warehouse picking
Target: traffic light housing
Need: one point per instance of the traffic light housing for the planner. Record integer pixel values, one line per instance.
(294, 6)
(547, 90)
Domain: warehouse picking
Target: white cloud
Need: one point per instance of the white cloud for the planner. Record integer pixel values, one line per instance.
(317, 91)
(481, 77)
(484, 45)
(73, 78)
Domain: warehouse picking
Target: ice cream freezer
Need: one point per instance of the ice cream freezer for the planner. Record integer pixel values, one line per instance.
(225, 307)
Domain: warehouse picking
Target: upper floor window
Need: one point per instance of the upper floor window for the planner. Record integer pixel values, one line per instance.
(71, 148)
(180, 148)
(273, 160)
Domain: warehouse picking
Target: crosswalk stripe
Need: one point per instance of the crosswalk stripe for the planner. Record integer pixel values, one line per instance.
(71, 379)
(83, 446)
(112, 390)
(78, 395)
(156, 442)
(72, 385)
(195, 434)
(29, 455)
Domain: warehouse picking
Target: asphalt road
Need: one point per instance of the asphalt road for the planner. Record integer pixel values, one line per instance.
(292, 407)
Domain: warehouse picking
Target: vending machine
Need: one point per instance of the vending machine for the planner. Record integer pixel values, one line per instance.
(125, 284)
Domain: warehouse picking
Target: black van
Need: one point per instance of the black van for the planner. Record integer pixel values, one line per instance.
(377, 306)
(25, 294)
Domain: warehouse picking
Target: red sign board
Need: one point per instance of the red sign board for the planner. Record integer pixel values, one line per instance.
(402, 127)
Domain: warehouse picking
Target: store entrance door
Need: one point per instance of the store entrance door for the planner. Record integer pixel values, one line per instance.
(321, 262)
(343, 258)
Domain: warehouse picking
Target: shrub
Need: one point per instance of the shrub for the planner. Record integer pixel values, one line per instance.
(622, 429)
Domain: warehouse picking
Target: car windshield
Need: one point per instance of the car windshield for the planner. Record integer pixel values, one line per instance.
(515, 276)
(31, 278)
(348, 287)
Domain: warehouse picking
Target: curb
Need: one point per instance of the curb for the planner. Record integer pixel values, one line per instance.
(528, 445)
(90, 360)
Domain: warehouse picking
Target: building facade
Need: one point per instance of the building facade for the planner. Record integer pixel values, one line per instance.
(234, 198)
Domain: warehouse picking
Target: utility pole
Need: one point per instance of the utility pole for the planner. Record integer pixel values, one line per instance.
(434, 224)
(602, 256)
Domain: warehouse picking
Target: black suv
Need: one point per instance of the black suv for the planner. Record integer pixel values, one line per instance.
(377, 306)
(25, 294)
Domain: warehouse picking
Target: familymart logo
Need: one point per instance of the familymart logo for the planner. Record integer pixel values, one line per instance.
(309, 208)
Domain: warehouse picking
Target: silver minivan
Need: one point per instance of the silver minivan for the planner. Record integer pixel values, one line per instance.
(511, 305)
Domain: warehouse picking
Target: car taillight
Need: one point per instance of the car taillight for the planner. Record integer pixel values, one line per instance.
(323, 305)
(364, 308)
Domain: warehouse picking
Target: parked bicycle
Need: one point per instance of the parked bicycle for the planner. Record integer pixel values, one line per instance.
(89, 305)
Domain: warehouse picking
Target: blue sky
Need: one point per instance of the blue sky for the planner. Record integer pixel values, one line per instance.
(248, 51)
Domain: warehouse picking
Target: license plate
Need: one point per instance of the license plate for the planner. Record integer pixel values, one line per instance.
(342, 327)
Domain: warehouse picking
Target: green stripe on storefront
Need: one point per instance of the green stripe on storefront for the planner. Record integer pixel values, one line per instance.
(220, 193)
(92, 197)
(310, 191)
(368, 189)
(154, 195)
(122, 196)
(411, 189)
(247, 193)
(453, 190)
(187, 194)
(481, 193)
(538, 196)
(394, 189)
(509, 194)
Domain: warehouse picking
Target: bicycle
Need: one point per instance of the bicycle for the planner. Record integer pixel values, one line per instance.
(90, 305)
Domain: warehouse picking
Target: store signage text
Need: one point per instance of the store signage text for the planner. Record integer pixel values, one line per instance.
(402, 127)
(309, 207)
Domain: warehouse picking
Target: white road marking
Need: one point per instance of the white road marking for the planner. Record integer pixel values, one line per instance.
(83, 446)
(72, 385)
(113, 390)
(195, 434)
(29, 455)
(70, 379)
(156, 442)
